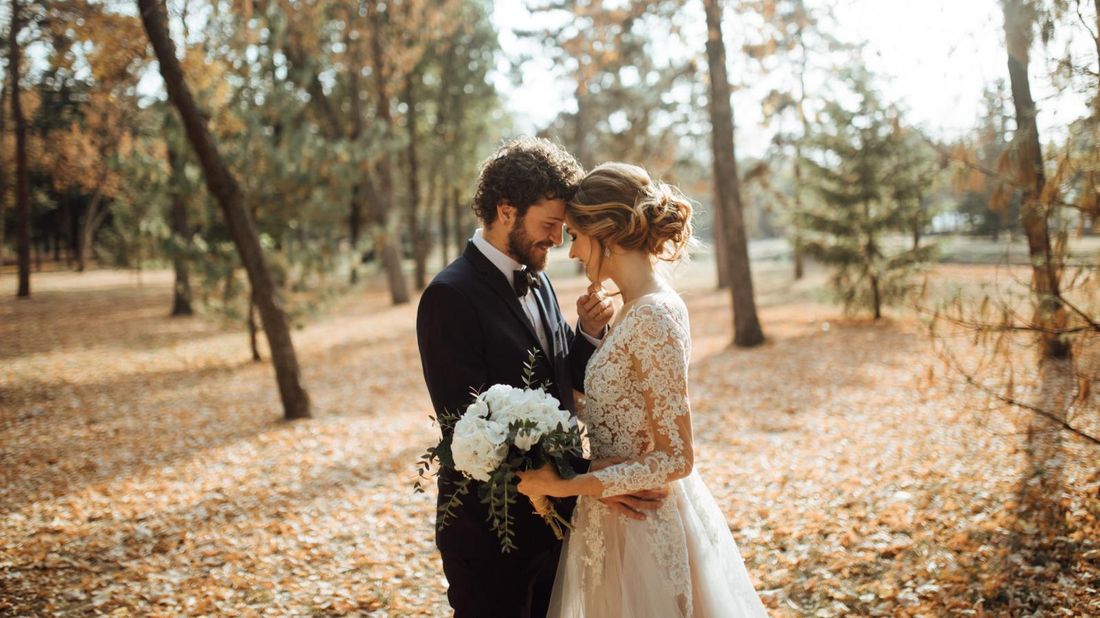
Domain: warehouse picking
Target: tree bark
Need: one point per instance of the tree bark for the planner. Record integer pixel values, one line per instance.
(355, 226)
(252, 339)
(580, 125)
(444, 231)
(417, 232)
(1096, 97)
(1050, 314)
(746, 324)
(22, 177)
(181, 291)
(358, 195)
(798, 257)
(457, 221)
(876, 297)
(93, 218)
(223, 186)
(386, 246)
(797, 241)
(721, 251)
(3, 176)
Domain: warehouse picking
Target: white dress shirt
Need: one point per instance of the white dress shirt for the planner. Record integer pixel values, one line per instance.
(506, 265)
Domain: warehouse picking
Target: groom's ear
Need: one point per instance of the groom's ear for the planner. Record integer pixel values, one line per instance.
(506, 213)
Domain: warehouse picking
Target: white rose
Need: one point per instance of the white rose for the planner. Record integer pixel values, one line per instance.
(498, 396)
(478, 408)
(478, 445)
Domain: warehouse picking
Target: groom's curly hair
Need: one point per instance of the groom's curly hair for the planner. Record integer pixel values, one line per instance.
(523, 171)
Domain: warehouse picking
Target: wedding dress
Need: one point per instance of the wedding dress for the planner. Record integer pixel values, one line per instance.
(682, 560)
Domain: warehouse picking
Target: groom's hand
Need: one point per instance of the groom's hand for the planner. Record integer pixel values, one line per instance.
(595, 311)
(632, 505)
(635, 505)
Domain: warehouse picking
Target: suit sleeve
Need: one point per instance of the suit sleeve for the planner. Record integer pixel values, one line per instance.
(452, 347)
(580, 350)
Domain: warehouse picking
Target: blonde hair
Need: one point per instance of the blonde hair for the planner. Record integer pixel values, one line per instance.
(618, 204)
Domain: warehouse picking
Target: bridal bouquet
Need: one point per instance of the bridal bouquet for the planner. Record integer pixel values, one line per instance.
(505, 430)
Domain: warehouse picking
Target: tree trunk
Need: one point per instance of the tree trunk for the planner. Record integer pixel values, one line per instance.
(223, 186)
(1050, 314)
(917, 223)
(355, 226)
(22, 178)
(458, 221)
(797, 241)
(876, 298)
(3, 176)
(181, 291)
(416, 233)
(58, 239)
(93, 218)
(746, 325)
(386, 246)
(721, 252)
(580, 125)
(358, 193)
(1096, 95)
(444, 231)
(252, 342)
(798, 257)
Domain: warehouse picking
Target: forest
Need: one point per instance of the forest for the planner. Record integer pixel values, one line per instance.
(217, 217)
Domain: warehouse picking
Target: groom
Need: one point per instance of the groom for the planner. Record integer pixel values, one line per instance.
(476, 322)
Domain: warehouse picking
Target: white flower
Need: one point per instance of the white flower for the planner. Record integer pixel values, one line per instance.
(478, 445)
(478, 408)
(526, 405)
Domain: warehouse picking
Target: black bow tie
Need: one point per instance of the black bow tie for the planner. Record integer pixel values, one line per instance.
(523, 280)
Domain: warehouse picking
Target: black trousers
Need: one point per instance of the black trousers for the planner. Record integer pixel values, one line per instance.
(493, 585)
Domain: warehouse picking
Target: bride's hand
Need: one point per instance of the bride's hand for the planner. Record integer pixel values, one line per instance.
(544, 481)
(595, 310)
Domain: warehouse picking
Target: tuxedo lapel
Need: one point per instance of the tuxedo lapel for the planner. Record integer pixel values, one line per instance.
(502, 287)
(548, 325)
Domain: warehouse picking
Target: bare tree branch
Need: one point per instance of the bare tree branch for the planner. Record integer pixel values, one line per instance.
(972, 381)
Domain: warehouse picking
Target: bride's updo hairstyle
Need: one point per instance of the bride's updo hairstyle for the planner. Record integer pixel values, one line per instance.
(618, 204)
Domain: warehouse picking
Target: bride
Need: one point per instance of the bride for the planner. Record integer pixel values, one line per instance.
(681, 560)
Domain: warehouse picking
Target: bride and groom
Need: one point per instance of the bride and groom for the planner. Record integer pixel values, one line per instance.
(648, 538)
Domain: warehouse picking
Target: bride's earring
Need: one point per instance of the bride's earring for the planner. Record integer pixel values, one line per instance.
(607, 251)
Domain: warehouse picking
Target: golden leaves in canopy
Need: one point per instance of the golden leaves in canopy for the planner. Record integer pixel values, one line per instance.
(79, 157)
(114, 45)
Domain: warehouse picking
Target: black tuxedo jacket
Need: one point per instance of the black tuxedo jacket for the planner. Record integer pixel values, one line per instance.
(472, 334)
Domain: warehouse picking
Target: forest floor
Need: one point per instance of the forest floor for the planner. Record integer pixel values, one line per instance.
(146, 471)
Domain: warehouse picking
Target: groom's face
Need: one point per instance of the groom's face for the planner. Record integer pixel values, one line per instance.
(532, 235)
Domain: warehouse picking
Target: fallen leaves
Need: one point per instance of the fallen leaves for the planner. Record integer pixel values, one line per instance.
(146, 471)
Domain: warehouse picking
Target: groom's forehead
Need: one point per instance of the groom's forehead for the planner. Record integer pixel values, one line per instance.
(550, 209)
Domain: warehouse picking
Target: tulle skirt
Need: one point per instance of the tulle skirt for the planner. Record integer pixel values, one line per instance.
(680, 562)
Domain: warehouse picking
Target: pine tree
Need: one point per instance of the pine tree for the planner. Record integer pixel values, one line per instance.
(988, 201)
(852, 158)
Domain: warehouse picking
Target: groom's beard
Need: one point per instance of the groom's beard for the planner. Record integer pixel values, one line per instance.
(525, 251)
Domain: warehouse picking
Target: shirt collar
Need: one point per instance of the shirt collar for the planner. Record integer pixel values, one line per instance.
(505, 264)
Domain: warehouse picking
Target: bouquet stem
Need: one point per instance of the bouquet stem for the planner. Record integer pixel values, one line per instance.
(556, 522)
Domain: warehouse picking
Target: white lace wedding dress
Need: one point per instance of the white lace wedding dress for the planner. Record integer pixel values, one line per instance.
(682, 560)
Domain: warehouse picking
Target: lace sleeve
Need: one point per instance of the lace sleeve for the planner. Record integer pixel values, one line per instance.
(659, 368)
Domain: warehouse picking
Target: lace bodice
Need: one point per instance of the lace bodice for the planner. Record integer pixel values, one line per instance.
(680, 561)
(637, 408)
(637, 398)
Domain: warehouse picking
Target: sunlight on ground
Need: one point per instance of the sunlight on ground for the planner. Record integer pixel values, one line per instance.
(146, 468)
